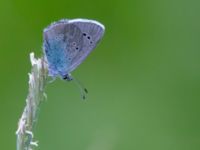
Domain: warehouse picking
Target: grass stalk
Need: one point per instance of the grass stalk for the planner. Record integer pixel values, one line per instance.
(36, 95)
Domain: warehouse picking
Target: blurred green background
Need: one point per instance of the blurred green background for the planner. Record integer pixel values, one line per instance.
(143, 79)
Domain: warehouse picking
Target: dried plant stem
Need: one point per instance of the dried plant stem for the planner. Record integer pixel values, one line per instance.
(37, 83)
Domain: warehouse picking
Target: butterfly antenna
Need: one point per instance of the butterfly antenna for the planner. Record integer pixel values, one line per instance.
(83, 90)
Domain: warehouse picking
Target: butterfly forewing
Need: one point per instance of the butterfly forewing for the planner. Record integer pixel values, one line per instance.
(92, 33)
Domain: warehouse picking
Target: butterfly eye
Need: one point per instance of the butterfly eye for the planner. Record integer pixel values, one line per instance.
(84, 34)
(77, 48)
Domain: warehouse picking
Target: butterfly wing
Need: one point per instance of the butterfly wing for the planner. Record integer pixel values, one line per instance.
(92, 33)
(61, 41)
(68, 42)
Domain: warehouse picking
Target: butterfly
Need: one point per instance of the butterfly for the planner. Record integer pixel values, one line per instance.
(66, 44)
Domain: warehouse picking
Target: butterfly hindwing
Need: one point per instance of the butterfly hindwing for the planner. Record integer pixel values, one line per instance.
(62, 42)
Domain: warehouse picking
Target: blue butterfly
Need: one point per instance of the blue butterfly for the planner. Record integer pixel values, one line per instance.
(68, 42)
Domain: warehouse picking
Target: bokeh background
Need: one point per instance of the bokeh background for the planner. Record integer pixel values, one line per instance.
(143, 79)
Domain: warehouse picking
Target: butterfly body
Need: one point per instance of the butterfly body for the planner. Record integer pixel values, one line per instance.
(68, 42)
